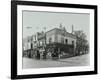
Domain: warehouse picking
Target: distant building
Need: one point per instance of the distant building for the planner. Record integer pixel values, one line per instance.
(27, 46)
(41, 39)
(27, 43)
(34, 41)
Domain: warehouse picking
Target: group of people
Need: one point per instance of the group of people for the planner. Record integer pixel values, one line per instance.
(38, 54)
(53, 54)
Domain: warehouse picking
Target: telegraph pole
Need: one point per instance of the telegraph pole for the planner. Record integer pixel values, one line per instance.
(45, 35)
(45, 53)
(72, 29)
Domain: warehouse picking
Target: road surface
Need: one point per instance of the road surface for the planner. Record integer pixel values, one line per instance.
(82, 60)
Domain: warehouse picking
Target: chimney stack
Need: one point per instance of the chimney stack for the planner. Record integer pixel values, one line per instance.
(72, 29)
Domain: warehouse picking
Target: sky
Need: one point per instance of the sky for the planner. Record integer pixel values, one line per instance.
(35, 21)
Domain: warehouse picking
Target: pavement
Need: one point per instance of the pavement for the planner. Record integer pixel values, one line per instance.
(82, 60)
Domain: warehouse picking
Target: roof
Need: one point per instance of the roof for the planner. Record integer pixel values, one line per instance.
(63, 32)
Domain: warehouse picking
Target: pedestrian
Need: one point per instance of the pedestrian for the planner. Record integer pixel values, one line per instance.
(44, 54)
(38, 54)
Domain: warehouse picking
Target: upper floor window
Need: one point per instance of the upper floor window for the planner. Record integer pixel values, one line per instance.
(62, 40)
(66, 41)
(72, 42)
(50, 40)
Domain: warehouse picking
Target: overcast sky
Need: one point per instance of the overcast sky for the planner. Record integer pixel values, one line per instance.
(38, 20)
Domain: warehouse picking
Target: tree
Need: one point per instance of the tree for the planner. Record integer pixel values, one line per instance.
(60, 26)
(81, 43)
(64, 29)
(80, 34)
